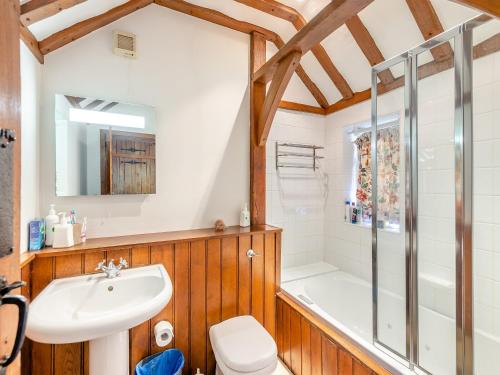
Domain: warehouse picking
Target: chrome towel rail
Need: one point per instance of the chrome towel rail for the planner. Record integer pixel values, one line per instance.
(282, 154)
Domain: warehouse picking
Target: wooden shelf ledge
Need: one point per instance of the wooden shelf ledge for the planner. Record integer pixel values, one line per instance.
(97, 244)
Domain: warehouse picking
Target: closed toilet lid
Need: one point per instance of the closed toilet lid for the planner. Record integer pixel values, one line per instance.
(243, 344)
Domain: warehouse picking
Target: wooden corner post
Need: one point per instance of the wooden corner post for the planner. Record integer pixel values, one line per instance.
(257, 151)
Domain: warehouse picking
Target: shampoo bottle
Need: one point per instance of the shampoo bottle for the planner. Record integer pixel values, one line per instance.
(50, 221)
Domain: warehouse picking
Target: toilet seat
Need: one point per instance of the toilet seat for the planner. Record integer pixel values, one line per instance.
(242, 345)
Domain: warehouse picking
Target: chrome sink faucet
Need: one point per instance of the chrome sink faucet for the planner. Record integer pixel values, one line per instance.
(111, 270)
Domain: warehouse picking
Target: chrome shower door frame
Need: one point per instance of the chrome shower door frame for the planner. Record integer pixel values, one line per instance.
(461, 36)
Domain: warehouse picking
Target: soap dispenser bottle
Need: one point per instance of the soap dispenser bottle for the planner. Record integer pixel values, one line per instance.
(245, 216)
(50, 221)
(63, 233)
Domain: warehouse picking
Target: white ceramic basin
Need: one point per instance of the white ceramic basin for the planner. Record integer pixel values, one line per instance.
(88, 307)
(100, 310)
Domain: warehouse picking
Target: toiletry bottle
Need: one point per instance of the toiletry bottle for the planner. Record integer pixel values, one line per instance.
(347, 210)
(84, 229)
(354, 213)
(245, 216)
(63, 232)
(50, 220)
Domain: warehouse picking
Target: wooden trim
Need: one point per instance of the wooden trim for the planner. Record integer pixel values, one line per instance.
(153, 239)
(334, 15)
(292, 106)
(216, 17)
(273, 8)
(368, 46)
(38, 10)
(290, 14)
(276, 90)
(80, 29)
(334, 334)
(257, 152)
(491, 7)
(429, 25)
(29, 39)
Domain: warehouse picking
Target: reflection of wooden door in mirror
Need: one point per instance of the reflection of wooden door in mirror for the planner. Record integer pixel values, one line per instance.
(128, 163)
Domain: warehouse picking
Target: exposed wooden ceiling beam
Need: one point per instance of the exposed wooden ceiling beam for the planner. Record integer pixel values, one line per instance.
(85, 27)
(290, 14)
(37, 10)
(368, 46)
(299, 107)
(492, 7)
(216, 17)
(488, 46)
(429, 25)
(282, 76)
(334, 15)
(29, 39)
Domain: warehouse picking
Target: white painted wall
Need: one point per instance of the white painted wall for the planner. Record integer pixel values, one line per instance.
(31, 80)
(196, 76)
(295, 197)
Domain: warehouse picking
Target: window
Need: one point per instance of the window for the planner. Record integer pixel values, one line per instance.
(388, 171)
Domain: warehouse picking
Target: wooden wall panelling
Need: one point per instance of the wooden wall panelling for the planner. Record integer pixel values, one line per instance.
(68, 357)
(307, 350)
(214, 295)
(139, 340)
(163, 254)
(229, 278)
(258, 278)
(41, 354)
(212, 279)
(269, 264)
(295, 343)
(316, 363)
(329, 356)
(244, 276)
(181, 290)
(305, 332)
(198, 301)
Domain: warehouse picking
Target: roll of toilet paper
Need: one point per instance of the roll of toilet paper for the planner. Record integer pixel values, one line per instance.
(164, 332)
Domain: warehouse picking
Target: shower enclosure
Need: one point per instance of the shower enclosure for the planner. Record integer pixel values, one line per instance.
(435, 288)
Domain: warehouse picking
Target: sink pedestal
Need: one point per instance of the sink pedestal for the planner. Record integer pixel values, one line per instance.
(109, 355)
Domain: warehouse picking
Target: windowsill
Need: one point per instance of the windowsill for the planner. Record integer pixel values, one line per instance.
(369, 226)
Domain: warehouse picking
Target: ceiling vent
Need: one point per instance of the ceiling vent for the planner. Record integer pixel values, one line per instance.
(124, 44)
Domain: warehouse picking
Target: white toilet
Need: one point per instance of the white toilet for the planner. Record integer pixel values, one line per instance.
(242, 346)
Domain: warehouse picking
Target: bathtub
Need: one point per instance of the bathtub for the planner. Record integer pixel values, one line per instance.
(345, 301)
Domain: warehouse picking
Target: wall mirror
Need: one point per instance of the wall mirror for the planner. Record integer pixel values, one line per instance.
(104, 147)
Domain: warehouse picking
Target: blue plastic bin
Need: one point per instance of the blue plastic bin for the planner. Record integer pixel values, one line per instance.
(169, 362)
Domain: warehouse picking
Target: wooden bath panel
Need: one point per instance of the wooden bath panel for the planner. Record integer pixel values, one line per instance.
(213, 280)
(309, 347)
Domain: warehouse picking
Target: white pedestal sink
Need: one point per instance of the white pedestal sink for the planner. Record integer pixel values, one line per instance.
(100, 310)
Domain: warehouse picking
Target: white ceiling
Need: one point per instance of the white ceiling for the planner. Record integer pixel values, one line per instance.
(390, 23)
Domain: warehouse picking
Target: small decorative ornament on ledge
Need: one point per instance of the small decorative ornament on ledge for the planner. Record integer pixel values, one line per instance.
(219, 225)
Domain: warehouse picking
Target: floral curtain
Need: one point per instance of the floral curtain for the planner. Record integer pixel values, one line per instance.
(388, 164)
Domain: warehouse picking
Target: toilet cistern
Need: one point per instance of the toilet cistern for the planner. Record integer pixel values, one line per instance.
(111, 270)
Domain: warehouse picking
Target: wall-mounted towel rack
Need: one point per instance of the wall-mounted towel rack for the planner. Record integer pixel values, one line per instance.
(311, 157)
